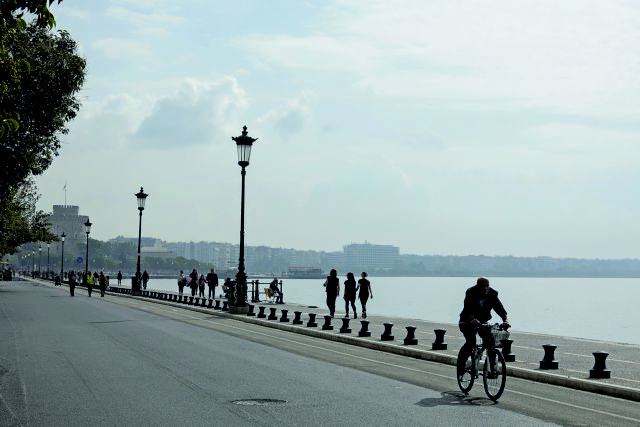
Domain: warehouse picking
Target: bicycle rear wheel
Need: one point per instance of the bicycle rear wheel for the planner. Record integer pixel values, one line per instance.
(466, 373)
(494, 380)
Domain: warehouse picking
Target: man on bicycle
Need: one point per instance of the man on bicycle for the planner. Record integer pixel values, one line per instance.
(479, 300)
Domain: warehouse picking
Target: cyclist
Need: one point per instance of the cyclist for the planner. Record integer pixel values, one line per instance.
(479, 300)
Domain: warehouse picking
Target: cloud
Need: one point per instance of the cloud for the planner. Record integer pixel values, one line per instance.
(199, 113)
(290, 119)
(152, 24)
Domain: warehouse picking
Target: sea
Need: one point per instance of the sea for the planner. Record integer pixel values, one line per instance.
(589, 308)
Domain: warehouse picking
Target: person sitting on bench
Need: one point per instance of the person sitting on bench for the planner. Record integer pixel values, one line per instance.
(274, 288)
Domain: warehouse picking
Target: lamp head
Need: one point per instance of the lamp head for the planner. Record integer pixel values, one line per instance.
(244, 143)
(142, 198)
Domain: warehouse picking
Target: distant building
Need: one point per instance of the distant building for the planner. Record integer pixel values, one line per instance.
(67, 219)
(372, 257)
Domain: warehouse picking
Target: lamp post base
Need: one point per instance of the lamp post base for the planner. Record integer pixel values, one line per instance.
(239, 310)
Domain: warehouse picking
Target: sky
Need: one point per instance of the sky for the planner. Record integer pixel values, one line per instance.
(502, 127)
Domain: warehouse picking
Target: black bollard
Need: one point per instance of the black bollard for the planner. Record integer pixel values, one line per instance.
(273, 315)
(217, 306)
(261, 314)
(599, 369)
(190, 300)
(327, 323)
(506, 350)
(225, 305)
(344, 329)
(312, 321)
(204, 302)
(197, 301)
(386, 335)
(210, 305)
(439, 343)
(548, 361)
(296, 318)
(364, 329)
(284, 317)
(251, 313)
(411, 336)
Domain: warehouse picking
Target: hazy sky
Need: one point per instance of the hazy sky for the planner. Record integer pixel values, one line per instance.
(458, 127)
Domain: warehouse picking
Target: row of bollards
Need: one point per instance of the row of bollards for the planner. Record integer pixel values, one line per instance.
(598, 371)
(548, 361)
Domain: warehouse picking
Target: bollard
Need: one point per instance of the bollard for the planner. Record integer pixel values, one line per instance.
(261, 314)
(327, 323)
(182, 299)
(411, 336)
(599, 369)
(217, 306)
(204, 302)
(296, 318)
(197, 301)
(273, 315)
(312, 321)
(284, 317)
(225, 305)
(345, 326)
(386, 335)
(548, 361)
(439, 343)
(250, 312)
(506, 350)
(210, 304)
(364, 329)
(190, 301)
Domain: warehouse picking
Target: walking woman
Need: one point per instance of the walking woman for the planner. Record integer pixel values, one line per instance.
(181, 283)
(349, 295)
(201, 282)
(332, 285)
(365, 293)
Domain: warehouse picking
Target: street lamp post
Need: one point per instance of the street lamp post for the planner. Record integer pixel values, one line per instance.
(33, 264)
(62, 258)
(39, 258)
(87, 229)
(48, 268)
(244, 143)
(142, 198)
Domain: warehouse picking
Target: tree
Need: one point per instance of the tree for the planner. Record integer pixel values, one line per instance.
(13, 66)
(46, 101)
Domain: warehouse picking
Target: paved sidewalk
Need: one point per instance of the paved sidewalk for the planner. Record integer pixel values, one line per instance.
(574, 356)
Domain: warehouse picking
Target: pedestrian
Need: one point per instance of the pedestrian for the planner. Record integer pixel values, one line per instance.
(276, 291)
(102, 280)
(365, 292)
(89, 282)
(201, 282)
(119, 277)
(349, 294)
(193, 283)
(72, 282)
(181, 282)
(145, 279)
(332, 288)
(212, 280)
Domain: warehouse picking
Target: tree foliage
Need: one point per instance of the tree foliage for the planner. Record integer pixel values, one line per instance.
(12, 64)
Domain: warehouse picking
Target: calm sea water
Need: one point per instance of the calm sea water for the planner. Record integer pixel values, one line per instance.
(600, 309)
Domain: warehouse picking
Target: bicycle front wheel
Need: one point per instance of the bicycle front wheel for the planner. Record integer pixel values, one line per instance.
(495, 378)
(466, 374)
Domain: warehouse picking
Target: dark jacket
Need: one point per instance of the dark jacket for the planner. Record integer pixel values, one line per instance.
(333, 284)
(473, 310)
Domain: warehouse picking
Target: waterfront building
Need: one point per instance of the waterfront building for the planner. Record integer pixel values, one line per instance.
(67, 218)
(366, 256)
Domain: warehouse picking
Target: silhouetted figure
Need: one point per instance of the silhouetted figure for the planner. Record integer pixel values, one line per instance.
(119, 277)
(72, 282)
(349, 295)
(102, 280)
(332, 285)
(181, 282)
(276, 291)
(201, 283)
(364, 293)
(212, 280)
(145, 279)
(193, 282)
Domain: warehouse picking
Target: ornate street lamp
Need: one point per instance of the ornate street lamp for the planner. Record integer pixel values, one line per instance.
(87, 229)
(62, 258)
(39, 257)
(48, 268)
(244, 143)
(142, 198)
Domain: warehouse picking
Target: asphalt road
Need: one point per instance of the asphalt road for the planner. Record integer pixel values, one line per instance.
(118, 362)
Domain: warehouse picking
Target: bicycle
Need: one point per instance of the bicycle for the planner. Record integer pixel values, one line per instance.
(494, 372)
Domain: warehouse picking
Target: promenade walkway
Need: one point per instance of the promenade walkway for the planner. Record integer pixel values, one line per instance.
(574, 356)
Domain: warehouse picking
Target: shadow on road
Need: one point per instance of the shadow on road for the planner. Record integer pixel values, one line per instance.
(455, 398)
